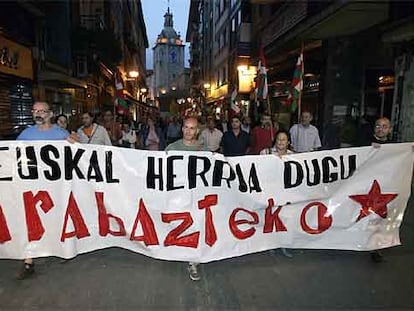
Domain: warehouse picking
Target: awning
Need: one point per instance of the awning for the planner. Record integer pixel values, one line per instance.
(58, 79)
(341, 18)
(403, 32)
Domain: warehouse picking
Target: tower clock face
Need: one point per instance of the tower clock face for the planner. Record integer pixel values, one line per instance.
(173, 56)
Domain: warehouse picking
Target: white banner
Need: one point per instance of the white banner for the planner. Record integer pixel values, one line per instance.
(62, 199)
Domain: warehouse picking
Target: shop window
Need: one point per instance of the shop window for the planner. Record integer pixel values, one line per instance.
(21, 102)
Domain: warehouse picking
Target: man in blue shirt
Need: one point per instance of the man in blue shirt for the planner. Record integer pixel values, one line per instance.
(42, 130)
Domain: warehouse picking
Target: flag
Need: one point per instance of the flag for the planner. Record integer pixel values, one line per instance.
(121, 105)
(233, 102)
(293, 99)
(261, 90)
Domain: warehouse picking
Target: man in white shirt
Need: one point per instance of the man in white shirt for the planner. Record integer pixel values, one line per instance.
(92, 133)
(211, 136)
(129, 137)
(305, 136)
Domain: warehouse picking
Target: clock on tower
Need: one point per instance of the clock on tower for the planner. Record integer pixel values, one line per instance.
(172, 56)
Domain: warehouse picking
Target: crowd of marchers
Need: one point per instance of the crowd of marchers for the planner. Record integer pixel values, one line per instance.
(192, 133)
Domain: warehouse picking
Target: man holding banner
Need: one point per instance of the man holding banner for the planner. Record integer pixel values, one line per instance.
(189, 142)
(42, 130)
(382, 130)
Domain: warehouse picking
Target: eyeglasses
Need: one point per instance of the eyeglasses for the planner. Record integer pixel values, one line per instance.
(40, 111)
(381, 126)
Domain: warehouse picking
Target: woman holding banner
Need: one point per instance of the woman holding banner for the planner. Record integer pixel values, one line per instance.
(280, 148)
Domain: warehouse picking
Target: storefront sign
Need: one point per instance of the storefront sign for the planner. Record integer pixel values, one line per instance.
(220, 91)
(15, 59)
(246, 78)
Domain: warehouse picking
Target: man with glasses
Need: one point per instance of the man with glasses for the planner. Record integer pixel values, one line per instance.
(382, 130)
(42, 130)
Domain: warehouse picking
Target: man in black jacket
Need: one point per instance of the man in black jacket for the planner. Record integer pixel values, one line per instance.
(382, 130)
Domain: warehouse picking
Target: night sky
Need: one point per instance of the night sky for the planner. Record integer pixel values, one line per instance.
(154, 11)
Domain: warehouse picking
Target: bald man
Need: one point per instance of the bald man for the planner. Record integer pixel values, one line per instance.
(382, 130)
(189, 142)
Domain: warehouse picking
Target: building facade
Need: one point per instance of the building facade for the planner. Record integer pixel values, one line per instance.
(357, 60)
(67, 53)
(220, 53)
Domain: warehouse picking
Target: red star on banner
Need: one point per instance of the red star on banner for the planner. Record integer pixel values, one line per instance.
(374, 201)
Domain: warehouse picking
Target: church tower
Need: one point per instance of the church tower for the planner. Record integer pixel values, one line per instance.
(168, 57)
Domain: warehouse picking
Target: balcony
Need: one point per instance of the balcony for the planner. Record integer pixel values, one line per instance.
(101, 43)
(92, 22)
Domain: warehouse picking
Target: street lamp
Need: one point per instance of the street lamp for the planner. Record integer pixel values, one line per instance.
(207, 85)
(133, 74)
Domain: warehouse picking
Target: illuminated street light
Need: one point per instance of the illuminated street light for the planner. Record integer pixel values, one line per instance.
(134, 74)
(207, 85)
(143, 90)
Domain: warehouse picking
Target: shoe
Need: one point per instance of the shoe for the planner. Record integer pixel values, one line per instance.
(27, 271)
(376, 256)
(192, 269)
(286, 253)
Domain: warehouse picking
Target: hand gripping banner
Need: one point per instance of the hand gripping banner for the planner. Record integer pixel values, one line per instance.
(61, 199)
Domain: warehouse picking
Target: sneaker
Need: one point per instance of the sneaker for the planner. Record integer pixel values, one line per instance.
(286, 253)
(27, 271)
(272, 252)
(376, 256)
(192, 269)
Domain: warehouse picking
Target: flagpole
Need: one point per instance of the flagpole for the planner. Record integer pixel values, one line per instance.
(301, 91)
(272, 135)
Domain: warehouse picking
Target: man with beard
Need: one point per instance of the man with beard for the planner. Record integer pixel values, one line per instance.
(92, 133)
(42, 130)
(380, 135)
(235, 142)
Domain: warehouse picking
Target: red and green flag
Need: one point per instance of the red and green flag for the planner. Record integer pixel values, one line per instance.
(295, 92)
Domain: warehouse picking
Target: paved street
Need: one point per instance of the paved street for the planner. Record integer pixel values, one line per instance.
(117, 279)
